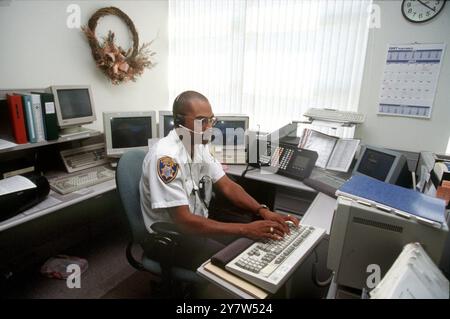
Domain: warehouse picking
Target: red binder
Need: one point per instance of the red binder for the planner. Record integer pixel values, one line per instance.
(17, 118)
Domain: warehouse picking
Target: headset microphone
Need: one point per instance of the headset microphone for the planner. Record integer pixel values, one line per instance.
(200, 133)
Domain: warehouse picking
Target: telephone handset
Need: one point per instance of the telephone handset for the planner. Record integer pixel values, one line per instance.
(291, 161)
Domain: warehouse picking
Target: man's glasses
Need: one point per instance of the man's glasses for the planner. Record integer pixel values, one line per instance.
(204, 120)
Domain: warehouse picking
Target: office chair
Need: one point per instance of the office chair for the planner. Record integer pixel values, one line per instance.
(165, 236)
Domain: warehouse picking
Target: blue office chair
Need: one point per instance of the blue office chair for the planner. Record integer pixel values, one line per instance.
(128, 175)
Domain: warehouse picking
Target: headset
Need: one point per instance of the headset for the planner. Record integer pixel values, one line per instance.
(179, 119)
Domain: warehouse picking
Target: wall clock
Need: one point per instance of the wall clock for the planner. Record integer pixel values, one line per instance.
(419, 11)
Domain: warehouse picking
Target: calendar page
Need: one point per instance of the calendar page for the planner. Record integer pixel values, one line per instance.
(410, 79)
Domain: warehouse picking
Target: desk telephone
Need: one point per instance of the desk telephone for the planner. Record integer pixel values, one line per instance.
(291, 161)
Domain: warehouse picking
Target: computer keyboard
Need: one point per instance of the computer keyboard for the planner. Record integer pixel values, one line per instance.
(268, 264)
(76, 181)
(331, 115)
(327, 178)
(80, 158)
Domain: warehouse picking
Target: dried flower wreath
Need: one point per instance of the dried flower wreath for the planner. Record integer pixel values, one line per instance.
(118, 65)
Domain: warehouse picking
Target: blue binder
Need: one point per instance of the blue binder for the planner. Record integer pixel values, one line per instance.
(396, 197)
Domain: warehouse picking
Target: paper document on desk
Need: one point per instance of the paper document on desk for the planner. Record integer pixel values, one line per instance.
(4, 144)
(236, 281)
(334, 153)
(15, 184)
(322, 143)
(343, 154)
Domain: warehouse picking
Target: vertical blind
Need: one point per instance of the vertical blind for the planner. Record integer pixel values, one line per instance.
(270, 59)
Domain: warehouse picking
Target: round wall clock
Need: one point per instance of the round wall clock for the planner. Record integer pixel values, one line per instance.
(419, 11)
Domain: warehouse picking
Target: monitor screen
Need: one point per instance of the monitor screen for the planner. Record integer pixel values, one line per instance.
(168, 124)
(129, 132)
(74, 103)
(233, 132)
(376, 164)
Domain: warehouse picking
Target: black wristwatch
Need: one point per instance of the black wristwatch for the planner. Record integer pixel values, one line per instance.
(262, 206)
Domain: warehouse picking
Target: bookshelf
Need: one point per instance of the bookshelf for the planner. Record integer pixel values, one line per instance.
(20, 147)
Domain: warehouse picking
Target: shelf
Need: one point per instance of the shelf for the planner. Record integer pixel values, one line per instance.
(20, 147)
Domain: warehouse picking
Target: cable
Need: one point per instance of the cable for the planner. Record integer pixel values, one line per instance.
(316, 281)
(247, 169)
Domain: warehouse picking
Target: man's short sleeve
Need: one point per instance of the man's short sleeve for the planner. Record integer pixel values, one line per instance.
(215, 170)
(166, 183)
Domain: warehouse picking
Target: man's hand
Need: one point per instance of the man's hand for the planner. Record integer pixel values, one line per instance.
(263, 229)
(279, 218)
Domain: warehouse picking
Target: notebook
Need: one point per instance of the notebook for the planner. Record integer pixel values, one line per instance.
(400, 200)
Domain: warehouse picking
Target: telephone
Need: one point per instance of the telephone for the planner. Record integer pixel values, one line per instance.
(291, 161)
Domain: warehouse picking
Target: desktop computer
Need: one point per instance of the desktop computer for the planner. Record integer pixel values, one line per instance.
(362, 236)
(229, 142)
(166, 123)
(385, 165)
(128, 130)
(74, 106)
(86, 165)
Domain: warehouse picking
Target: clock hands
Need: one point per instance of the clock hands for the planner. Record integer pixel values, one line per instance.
(426, 5)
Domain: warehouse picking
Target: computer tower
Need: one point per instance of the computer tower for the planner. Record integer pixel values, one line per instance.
(362, 235)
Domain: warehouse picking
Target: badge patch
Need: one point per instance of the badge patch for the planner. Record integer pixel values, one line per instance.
(167, 169)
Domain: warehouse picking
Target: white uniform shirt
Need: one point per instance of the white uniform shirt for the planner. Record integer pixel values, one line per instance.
(170, 178)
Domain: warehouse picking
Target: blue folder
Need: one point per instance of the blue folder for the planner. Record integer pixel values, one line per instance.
(396, 197)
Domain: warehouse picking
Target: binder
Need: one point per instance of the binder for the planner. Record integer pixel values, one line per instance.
(17, 118)
(39, 121)
(392, 198)
(49, 116)
(29, 117)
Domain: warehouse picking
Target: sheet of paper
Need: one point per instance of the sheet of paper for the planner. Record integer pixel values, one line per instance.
(343, 155)
(15, 184)
(322, 143)
(6, 144)
(410, 80)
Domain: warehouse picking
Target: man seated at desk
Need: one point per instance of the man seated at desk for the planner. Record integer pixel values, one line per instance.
(176, 172)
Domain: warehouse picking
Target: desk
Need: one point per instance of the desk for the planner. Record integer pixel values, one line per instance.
(320, 214)
(267, 177)
(55, 202)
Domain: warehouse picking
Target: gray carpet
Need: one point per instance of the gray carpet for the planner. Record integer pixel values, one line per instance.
(107, 269)
(109, 276)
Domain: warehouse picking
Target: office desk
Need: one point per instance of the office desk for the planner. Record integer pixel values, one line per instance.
(319, 214)
(267, 177)
(55, 202)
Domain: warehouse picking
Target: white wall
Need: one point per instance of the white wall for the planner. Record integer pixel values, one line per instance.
(38, 50)
(396, 132)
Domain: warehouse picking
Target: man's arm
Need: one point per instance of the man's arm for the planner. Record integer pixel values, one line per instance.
(198, 225)
(240, 198)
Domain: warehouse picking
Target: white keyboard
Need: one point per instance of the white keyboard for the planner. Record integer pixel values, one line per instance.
(76, 181)
(327, 178)
(331, 115)
(268, 264)
(84, 157)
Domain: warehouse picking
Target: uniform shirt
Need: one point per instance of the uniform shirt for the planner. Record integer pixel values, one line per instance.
(171, 178)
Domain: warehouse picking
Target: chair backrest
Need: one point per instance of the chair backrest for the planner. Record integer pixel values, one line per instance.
(128, 175)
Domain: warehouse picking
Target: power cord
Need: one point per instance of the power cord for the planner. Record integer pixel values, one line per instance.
(315, 278)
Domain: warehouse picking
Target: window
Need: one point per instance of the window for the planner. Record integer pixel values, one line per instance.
(270, 59)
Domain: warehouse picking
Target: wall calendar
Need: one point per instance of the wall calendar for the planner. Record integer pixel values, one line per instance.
(410, 79)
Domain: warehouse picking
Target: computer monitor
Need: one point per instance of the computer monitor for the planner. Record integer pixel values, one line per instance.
(166, 123)
(74, 107)
(385, 165)
(128, 130)
(363, 238)
(229, 146)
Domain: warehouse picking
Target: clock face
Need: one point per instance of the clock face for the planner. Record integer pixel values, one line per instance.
(421, 10)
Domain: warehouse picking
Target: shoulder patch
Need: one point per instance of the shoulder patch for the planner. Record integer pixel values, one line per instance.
(167, 169)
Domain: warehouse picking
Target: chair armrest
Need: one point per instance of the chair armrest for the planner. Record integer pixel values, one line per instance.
(167, 229)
